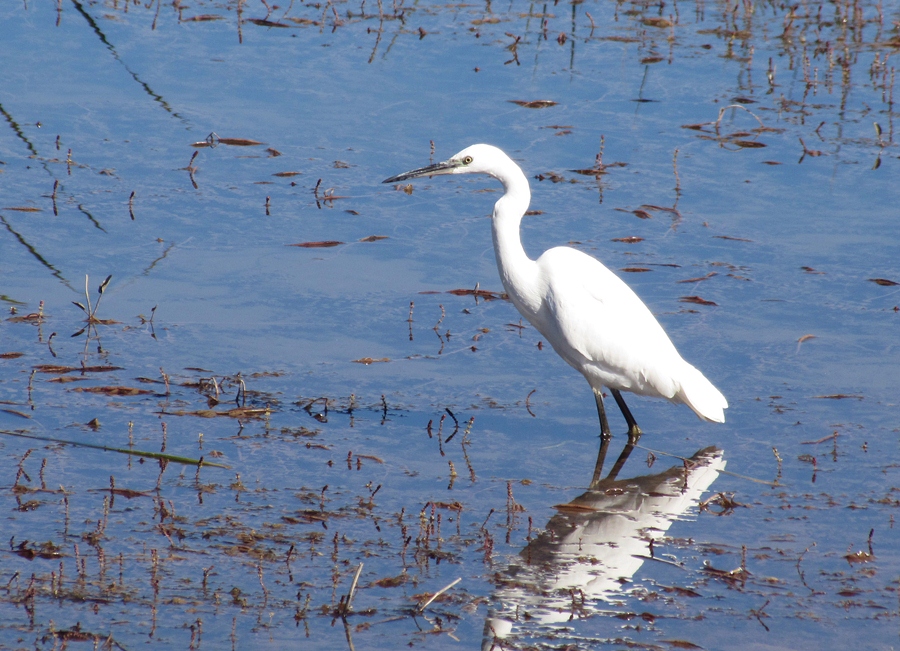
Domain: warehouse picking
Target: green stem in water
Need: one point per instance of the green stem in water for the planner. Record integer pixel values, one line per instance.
(136, 453)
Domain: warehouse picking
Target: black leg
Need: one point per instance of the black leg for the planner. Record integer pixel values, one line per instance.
(634, 432)
(605, 433)
(605, 436)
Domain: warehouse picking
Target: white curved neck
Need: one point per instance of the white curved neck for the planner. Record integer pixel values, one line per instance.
(517, 271)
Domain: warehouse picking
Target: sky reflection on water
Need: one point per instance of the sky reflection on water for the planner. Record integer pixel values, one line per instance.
(103, 100)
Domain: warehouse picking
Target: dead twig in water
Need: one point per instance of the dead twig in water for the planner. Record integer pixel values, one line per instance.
(527, 405)
(90, 310)
(352, 593)
(423, 606)
(740, 106)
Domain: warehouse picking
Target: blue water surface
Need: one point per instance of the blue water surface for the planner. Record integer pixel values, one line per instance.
(105, 106)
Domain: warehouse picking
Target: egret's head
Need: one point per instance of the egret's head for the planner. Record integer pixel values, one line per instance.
(477, 159)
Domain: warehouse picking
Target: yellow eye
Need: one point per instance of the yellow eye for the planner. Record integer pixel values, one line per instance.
(467, 160)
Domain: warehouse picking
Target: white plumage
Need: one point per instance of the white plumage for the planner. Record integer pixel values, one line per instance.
(592, 319)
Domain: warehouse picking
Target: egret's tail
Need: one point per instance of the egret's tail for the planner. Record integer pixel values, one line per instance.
(699, 394)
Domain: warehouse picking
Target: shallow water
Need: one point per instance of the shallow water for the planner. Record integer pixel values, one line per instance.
(102, 100)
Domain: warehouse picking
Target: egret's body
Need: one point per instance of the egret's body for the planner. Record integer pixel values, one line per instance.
(593, 320)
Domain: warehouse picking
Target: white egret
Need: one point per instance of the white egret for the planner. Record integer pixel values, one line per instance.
(593, 320)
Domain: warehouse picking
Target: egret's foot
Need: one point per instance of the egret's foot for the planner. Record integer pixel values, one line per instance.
(634, 434)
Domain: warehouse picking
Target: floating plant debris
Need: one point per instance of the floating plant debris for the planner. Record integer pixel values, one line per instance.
(318, 245)
(534, 104)
(696, 300)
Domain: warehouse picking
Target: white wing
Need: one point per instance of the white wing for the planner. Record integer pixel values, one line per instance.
(601, 327)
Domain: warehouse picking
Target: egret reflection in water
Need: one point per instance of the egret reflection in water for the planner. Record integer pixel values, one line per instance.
(593, 545)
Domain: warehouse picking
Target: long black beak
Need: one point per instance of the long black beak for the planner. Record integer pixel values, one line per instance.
(437, 168)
